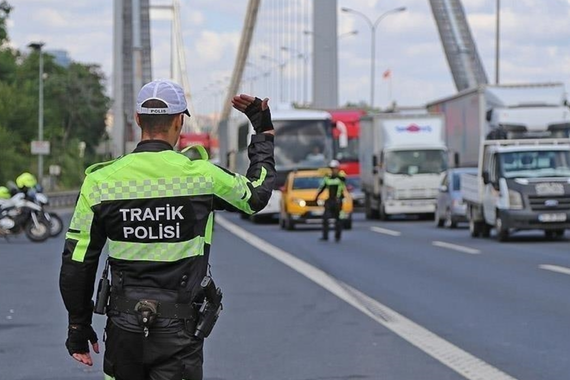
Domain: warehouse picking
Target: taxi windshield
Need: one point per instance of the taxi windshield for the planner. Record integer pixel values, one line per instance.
(306, 183)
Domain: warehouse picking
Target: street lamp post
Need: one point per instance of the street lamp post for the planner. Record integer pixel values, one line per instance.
(37, 46)
(373, 26)
(497, 37)
(281, 73)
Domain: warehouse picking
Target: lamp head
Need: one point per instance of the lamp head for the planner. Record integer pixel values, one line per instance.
(36, 45)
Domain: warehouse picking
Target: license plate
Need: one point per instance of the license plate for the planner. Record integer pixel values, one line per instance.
(550, 218)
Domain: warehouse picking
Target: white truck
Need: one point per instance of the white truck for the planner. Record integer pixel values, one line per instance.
(518, 137)
(402, 161)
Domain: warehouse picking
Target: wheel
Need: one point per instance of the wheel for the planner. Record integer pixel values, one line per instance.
(550, 234)
(347, 224)
(281, 222)
(501, 229)
(449, 222)
(369, 212)
(56, 224)
(559, 233)
(486, 230)
(289, 223)
(474, 228)
(382, 213)
(37, 232)
(438, 221)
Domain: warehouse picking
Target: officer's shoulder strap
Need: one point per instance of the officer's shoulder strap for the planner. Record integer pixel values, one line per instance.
(198, 148)
(93, 168)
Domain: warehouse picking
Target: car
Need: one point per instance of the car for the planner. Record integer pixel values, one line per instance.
(355, 189)
(298, 205)
(450, 208)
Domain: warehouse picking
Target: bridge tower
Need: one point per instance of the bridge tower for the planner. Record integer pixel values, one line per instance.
(131, 68)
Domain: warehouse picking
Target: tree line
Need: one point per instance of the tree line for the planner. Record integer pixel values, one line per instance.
(75, 108)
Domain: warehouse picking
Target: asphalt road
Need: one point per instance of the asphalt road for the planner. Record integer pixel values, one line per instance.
(505, 304)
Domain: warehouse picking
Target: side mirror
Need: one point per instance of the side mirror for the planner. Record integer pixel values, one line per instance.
(456, 159)
(443, 189)
(486, 177)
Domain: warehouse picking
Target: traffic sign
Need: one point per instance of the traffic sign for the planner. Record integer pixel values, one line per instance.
(40, 147)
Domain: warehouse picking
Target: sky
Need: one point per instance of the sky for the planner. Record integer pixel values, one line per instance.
(535, 44)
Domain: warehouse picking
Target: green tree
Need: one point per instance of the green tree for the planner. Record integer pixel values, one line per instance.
(75, 108)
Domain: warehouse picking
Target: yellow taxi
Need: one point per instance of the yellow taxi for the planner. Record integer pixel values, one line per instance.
(298, 204)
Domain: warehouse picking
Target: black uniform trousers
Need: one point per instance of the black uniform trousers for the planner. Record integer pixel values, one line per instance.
(160, 356)
(332, 211)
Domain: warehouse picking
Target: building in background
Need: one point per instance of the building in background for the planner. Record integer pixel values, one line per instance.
(61, 57)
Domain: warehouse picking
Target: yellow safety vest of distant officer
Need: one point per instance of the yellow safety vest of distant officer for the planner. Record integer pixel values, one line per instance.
(335, 183)
(155, 208)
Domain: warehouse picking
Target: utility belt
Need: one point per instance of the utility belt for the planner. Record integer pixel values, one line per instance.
(204, 315)
(158, 309)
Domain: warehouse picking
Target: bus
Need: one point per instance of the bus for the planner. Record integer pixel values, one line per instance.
(303, 140)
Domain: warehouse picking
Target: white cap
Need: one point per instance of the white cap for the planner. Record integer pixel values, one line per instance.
(170, 93)
(334, 164)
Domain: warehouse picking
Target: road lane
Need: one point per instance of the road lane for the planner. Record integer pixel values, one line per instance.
(451, 356)
(498, 305)
(275, 325)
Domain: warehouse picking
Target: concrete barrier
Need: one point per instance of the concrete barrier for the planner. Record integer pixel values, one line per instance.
(62, 199)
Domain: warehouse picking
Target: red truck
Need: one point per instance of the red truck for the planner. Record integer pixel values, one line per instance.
(204, 139)
(346, 135)
(346, 131)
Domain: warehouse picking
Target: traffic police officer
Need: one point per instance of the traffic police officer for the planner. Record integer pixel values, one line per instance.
(335, 184)
(155, 209)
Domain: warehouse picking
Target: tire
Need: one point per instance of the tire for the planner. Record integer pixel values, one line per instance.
(438, 221)
(486, 230)
(449, 222)
(474, 228)
(243, 216)
(289, 223)
(39, 234)
(56, 224)
(501, 230)
(559, 233)
(281, 222)
(369, 212)
(382, 213)
(347, 224)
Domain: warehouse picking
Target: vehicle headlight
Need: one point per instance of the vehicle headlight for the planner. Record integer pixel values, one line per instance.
(390, 192)
(321, 202)
(515, 200)
(300, 202)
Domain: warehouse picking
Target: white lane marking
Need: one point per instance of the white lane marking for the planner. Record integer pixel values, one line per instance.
(555, 268)
(385, 231)
(455, 247)
(462, 362)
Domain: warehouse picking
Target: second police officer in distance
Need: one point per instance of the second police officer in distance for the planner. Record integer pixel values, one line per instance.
(155, 208)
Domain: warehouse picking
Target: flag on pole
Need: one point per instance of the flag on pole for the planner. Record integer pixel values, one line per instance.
(387, 74)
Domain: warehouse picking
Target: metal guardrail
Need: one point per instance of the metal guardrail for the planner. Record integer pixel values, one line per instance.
(63, 199)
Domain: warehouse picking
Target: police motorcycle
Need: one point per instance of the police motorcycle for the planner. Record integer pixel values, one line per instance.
(20, 215)
(41, 199)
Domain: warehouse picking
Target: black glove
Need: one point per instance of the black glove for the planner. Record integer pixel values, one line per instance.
(260, 119)
(78, 338)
